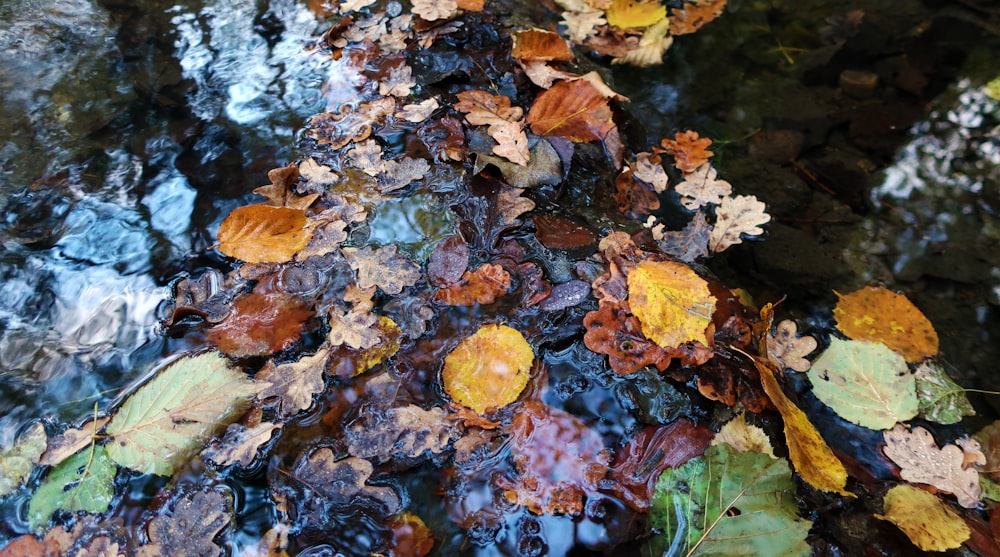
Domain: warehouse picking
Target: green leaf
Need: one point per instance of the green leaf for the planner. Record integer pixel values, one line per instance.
(940, 399)
(82, 482)
(728, 503)
(17, 461)
(173, 414)
(865, 383)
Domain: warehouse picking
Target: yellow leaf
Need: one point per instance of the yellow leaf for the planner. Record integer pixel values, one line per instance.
(489, 369)
(264, 234)
(876, 314)
(812, 457)
(626, 14)
(930, 524)
(671, 301)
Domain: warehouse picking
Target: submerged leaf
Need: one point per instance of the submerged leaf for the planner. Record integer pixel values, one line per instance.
(170, 416)
(264, 234)
(83, 482)
(879, 315)
(17, 461)
(671, 301)
(930, 524)
(190, 526)
(488, 369)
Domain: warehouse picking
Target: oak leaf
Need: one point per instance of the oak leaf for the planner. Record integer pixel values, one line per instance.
(448, 261)
(509, 205)
(418, 112)
(688, 244)
(239, 444)
(294, 384)
(671, 301)
(653, 44)
(737, 216)
(742, 436)
(703, 187)
(404, 432)
(786, 349)
(382, 267)
(433, 10)
(693, 15)
(649, 169)
(189, 525)
(488, 369)
(342, 482)
(627, 14)
(877, 314)
(583, 24)
(952, 468)
(280, 192)
(930, 524)
(398, 81)
(689, 150)
(264, 234)
(481, 286)
(503, 122)
(399, 174)
(350, 123)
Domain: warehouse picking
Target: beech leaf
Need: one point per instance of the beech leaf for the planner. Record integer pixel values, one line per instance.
(264, 234)
(877, 314)
(82, 482)
(17, 461)
(671, 301)
(488, 369)
(930, 524)
(626, 14)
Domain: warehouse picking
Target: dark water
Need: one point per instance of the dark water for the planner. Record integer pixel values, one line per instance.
(129, 129)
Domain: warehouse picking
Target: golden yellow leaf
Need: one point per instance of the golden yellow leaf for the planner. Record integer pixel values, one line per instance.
(626, 14)
(812, 457)
(489, 369)
(879, 315)
(930, 524)
(264, 234)
(671, 301)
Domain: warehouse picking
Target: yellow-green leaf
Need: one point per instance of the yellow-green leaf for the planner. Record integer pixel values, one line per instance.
(673, 304)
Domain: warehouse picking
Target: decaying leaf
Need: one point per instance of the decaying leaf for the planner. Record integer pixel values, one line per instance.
(503, 120)
(293, 384)
(410, 536)
(877, 314)
(382, 267)
(399, 174)
(627, 14)
(703, 187)
(341, 482)
(482, 286)
(544, 168)
(952, 468)
(539, 44)
(190, 527)
(169, 417)
(488, 369)
(735, 217)
(510, 205)
(690, 150)
(671, 301)
(239, 444)
(613, 331)
(558, 232)
(864, 383)
(930, 524)
(264, 234)
(280, 192)
(635, 198)
(260, 323)
(649, 169)
(433, 10)
(728, 503)
(403, 432)
(17, 461)
(786, 349)
(741, 436)
(939, 399)
(83, 482)
(418, 112)
(337, 129)
(688, 244)
(448, 261)
(61, 447)
(653, 44)
(583, 24)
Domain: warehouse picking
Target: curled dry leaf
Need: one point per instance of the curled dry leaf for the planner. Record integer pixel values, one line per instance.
(264, 234)
(930, 524)
(737, 216)
(689, 150)
(703, 187)
(786, 349)
(877, 314)
(671, 301)
(481, 286)
(280, 193)
(952, 468)
(488, 369)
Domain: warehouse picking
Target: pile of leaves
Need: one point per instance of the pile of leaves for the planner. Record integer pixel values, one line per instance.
(391, 403)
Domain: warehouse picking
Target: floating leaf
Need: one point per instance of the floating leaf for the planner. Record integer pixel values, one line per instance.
(689, 150)
(671, 301)
(576, 110)
(737, 216)
(482, 286)
(410, 536)
(930, 524)
(382, 267)
(951, 468)
(71, 441)
(264, 234)
(880, 315)
(538, 44)
(703, 187)
(294, 384)
(693, 15)
(260, 323)
(408, 432)
(83, 482)
(189, 526)
(280, 193)
(239, 444)
(488, 369)
(342, 482)
(728, 503)
(170, 416)
(741, 436)
(939, 398)
(786, 349)
(626, 14)
(17, 461)
(864, 383)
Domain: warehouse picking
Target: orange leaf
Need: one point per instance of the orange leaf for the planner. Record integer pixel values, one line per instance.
(562, 233)
(260, 323)
(482, 286)
(488, 369)
(694, 15)
(574, 109)
(410, 536)
(812, 457)
(878, 315)
(538, 44)
(264, 234)
(671, 301)
(688, 149)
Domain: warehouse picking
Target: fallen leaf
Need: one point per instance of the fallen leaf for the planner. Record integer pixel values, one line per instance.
(693, 15)
(352, 327)
(613, 331)
(317, 176)
(404, 432)
(626, 14)
(565, 295)
(649, 169)
(509, 205)
(736, 216)
(635, 198)
(410, 536)
(341, 483)
(728, 503)
(690, 243)
(189, 525)
(418, 112)
(382, 267)
(482, 108)
(350, 123)
(877, 314)
(433, 10)
(62, 446)
(786, 349)
(171, 415)
(82, 482)
(653, 44)
(488, 369)
(482, 286)
(544, 167)
(673, 304)
(366, 156)
(576, 110)
(512, 142)
(583, 24)
(280, 192)
(939, 399)
(399, 174)
(930, 524)
(689, 150)
(18, 460)
(742, 436)
(864, 383)
(264, 234)
(951, 468)
(399, 81)
(260, 323)
(239, 444)
(385, 335)
(989, 439)
(558, 232)
(702, 187)
(448, 261)
(538, 44)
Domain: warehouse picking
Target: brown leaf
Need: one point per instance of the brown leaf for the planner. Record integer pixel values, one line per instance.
(649, 169)
(786, 349)
(509, 205)
(448, 261)
(260, 323)
(382, 267)
(688, 149)
(694, 15)
(512, 142)
(482, 108)
(613, 331)
(690, 243)
(635, 199)
(61, 447)
(544, 168)
(188, 526)
(342, 482)
(481, 286)
(239, 444)
(561, 233)
(294, 384)
(538, 44)
(407, 432)
(264, 234)
(444, 138)
(337, 129)
(951, 468)
(575, 110)
(280, 192)
(410, 536)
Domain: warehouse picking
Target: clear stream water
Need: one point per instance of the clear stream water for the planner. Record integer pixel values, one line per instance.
(130, 128)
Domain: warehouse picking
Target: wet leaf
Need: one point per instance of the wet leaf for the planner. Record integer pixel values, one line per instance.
(879, 315)
(240, 444)
(930, 524)
(386, 336)
(482, 286)
(342, 482)
(735, 217)
(410, 536)
(83, 482)
(170, 416)
(418, 112)
(728, 503)
(613, 331)
(448, 261)
(17, 461)
(688, 244)
(786, 349)
(576, 110)
(653, 44)
(264, 234)
(260, 323)
(382, 267)
(693, 15)
(812, 457)
(627, 14)
(509, 205)
(488, 369)
(63, 446)
(703, 187)
(294, 384)
(562, 233)
(689, 150)
(399, 174)
(671, 301)
(190, 526)
(433, 10)
(404, 432)
(864, 383)
(635, 198)
(989, 439)
(350, 123)
(741, 436)
(280, 192)
(649, 169)
(544, 168)
(538, 44)
(939, 399)
(504, 123)
(951, 468)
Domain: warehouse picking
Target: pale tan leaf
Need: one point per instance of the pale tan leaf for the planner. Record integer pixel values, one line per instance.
(742, 436)
(366, 156)
(786, 349)
(649, 169)
(239, 444)
(736, 216)
(950, 468)
(399, 174)
(418, 112)
(408, 431)
(398, 83)
(382, 267)
(702, 187)
(581, 25)
(433, 10)
(512, 142)
(294, 384)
